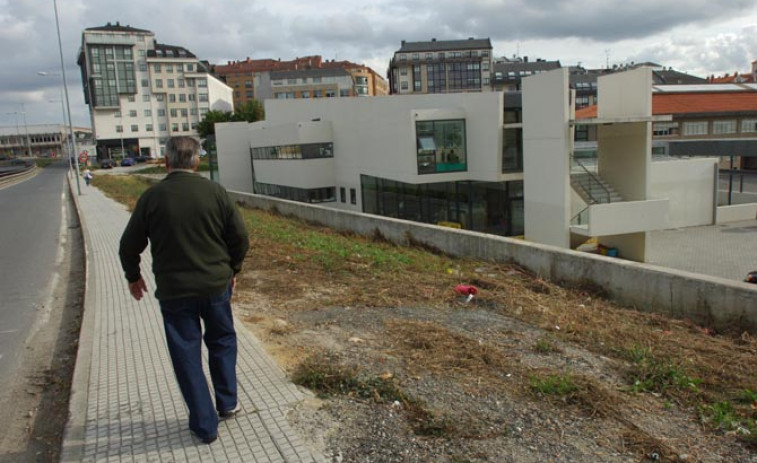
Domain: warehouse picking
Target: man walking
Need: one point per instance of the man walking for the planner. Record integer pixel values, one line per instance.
(198, 242)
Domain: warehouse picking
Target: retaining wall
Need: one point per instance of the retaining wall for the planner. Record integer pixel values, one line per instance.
(710, 301)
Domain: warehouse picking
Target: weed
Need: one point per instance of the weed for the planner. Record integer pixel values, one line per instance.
(545, 346)
(650, 374)
(556, 385)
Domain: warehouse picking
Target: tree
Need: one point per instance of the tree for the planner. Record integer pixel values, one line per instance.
(251, 111)
(207, 125)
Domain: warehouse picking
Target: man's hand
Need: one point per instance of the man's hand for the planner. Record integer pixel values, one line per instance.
(138, 288)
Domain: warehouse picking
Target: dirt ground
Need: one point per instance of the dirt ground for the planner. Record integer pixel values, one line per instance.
(35, 408)
(407, 370)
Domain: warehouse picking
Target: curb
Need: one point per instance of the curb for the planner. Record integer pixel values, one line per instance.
(72, 447)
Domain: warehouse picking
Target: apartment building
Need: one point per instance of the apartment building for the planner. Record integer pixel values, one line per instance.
(508, 72)
(252, 78)
(306, 83)
(706, 120)
(140, 92)
(441, 66)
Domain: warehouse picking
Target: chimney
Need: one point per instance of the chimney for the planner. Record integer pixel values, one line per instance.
(434, 39)
(470, 38)
(525, 59)
(403, 43)
(118, 23)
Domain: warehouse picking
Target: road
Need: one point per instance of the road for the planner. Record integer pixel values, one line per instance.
(31, 234)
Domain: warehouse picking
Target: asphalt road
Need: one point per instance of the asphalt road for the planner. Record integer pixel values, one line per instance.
(31, 226)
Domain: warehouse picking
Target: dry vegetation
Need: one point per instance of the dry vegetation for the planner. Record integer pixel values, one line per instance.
(526, 371)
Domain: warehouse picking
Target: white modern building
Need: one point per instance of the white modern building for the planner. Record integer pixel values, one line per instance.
(141, 92)
(454, 160)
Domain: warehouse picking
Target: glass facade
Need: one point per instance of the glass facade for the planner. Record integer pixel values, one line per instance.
(441, 146)
(305, 151)
(312, 195)
(512, 150)
(111, 73)
(488, 207)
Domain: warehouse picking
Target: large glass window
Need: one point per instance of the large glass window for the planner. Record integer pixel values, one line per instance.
(512, 151)
(112, 73)
(305, 151)
(303, 195)
(441, 146)
(489, 207)
(728, 126)
(695, 128)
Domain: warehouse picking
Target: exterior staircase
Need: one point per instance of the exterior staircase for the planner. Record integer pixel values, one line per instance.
(592, 189)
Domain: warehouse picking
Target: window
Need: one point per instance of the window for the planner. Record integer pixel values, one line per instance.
(156, 67)
(292, 81)
(695, 128)
(728, 126)
(181, 83)
(175, 127)
(148, 112)
(202, 82)
(119, 128)
(146, 98)
(403, 85)
(134, 128)
(304, 151)
(184, 112)
(248, 84)
(441, 146)
(182, 97)
(342, 194)
(133, 113)
(131, 98)
(185, 126)
(171, 98)
(749, 125)
(142, 66)
(664, 129)
(142, 53)
(158, 83)
(117, 114)
(169, 83)
(330, 93)
(161, 112)
(403, 71)
(159, 97)
(305, 95)
(169, 67)
(148, 127)
(403, 57)
(162, 127)
(353, 196)
(415, 56)
(203, 97)
(174, 112)
(190, 67)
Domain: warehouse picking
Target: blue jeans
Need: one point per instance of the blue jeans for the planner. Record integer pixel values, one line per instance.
(181, 319)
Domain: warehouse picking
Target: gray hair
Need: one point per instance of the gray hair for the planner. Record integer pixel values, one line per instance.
(182, 152)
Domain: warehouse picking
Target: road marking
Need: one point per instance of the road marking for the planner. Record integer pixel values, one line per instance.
(8, 332)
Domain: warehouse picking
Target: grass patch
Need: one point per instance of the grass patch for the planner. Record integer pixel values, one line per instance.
(123, 188)
(560, 385)
(324, 375)
(663, 376)
(546, 346)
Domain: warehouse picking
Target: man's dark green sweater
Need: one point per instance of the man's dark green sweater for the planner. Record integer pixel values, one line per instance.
(197, 237)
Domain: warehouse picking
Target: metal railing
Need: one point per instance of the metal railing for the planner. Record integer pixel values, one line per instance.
(599, 195)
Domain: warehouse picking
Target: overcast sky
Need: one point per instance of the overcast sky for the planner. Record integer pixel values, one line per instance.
(701, 37)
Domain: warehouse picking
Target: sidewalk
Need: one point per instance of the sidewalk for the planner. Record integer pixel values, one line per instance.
(125, 403)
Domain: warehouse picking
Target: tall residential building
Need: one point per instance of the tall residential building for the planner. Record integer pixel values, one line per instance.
(441, 66)
(141, 92)
(252, 78)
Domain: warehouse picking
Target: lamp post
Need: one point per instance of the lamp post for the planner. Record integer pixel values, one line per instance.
(26, 130)
(68, 102)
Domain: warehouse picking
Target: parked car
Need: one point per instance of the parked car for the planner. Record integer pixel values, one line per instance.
(144, 158)
(125, 162)
(107, 163)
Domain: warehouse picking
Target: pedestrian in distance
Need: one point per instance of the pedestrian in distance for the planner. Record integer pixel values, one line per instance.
(87, 176)
(198, 243)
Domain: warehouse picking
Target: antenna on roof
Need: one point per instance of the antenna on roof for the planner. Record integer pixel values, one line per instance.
(607, 58)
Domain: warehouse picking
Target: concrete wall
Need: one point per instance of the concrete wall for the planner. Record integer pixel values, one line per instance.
(710, 301)
(690, 186)
(234, 163)
(546, 158)
(742, 212)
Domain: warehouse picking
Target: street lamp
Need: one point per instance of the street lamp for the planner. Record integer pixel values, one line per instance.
(68, 102)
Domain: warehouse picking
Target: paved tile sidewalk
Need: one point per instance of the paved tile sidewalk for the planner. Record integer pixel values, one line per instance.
(126, 405)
